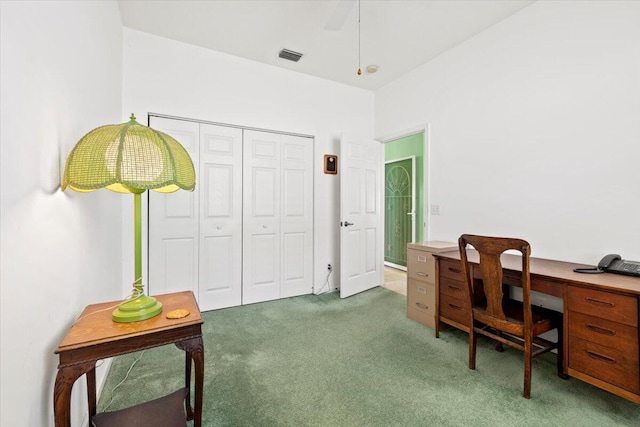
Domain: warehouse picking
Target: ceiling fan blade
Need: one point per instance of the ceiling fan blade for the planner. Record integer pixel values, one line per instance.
(339, 15)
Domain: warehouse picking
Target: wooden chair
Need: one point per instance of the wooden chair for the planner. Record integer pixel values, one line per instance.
(514, 323)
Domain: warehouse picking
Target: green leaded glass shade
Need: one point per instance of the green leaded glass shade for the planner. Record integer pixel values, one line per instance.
(128, 158)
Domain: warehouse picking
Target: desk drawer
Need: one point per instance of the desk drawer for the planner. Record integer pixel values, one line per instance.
(512, 278)
(454, 309)
(607, 364)
(421, 296)
(421, 266)
(606, 305)
(451, 269)
(604, 332)
(548, 286)
(453, 288)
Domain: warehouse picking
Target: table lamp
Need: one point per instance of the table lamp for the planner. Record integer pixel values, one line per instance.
(130, 158)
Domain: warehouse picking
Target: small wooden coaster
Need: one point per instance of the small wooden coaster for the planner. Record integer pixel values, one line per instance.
(177, 314)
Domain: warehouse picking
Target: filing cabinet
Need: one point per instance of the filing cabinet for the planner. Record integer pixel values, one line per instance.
(421, 280)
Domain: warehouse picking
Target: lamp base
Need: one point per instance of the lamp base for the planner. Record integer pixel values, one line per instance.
(140, 308)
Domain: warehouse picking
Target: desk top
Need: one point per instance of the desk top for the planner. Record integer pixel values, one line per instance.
(559, 271)
(95, 326)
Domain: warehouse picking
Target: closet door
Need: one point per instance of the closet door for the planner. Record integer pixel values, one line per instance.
(261, 217)
(245, 234)
(173, 222)
(296, 221)
(220, 187)
(278, 216)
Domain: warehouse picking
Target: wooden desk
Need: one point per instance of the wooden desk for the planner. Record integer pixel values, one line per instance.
(601, 331)
(95, 336)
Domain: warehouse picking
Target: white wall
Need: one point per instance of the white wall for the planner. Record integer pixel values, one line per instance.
(169, 77)
(535, 130)
(61, 76)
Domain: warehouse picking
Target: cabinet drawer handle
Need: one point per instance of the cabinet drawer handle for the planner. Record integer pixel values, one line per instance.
(419, 304)
(455, 270)
(601, 357)
(422, 258)
(600, 330)
(455, 307)
(421, 274)
(599, 303)
(455, 288)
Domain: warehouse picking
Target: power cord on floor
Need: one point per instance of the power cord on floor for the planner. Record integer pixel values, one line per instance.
(136, 360)
(326, 282)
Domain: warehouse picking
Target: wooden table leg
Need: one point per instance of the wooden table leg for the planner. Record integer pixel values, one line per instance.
(67, 375)
(194, 349)
(187, 382)
(91, 391)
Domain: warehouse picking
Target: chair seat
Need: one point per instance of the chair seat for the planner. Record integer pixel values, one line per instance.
(543, 319)
(167, 411)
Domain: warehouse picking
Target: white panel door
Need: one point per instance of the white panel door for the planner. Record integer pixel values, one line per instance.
(261, 217)
(220, 190)
(296, 215)
(360, 214)
(173, 222)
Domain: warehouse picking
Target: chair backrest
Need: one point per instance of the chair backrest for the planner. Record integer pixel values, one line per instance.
(490, 249)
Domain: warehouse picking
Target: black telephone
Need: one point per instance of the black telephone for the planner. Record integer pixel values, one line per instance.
(614, 263)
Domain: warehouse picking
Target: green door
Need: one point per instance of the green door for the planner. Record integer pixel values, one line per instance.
(398, 227)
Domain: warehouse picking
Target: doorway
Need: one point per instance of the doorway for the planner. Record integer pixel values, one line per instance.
(411, 222)
(395, 280)
(400, 227)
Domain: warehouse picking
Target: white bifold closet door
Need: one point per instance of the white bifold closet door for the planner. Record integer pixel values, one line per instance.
(173, 221)
(277, 216)
(220, 268)
(245, 234)
(195, 238)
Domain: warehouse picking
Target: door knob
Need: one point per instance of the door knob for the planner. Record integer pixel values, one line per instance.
(347, 223)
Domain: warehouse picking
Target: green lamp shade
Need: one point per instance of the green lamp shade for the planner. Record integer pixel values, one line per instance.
(128, 158)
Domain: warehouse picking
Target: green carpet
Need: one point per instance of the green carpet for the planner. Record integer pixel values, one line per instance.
(323, 361)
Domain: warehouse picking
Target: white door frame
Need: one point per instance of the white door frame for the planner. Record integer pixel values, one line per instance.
(425, 129)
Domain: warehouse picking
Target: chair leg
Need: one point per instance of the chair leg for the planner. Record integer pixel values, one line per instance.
(473, 338)
(499, 346)
(527, 367)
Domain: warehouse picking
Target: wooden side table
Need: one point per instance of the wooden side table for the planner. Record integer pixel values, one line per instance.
(95, 336)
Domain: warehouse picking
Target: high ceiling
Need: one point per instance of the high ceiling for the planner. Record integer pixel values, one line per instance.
(395, 35)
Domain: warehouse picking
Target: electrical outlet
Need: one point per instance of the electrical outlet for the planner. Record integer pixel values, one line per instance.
(435, 209)
(329, 267)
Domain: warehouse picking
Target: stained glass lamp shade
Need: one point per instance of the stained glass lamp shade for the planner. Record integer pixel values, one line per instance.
(130, 158)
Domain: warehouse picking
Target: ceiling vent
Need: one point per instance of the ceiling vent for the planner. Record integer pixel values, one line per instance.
(289, 55)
